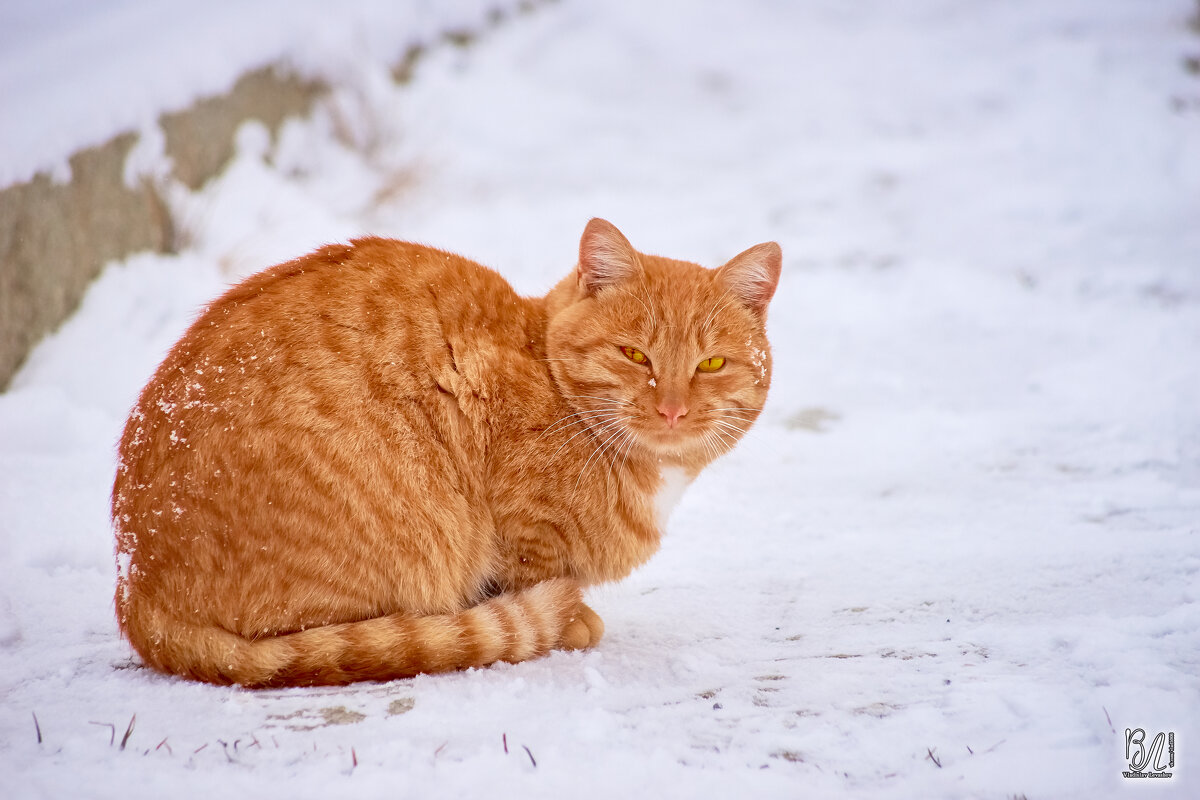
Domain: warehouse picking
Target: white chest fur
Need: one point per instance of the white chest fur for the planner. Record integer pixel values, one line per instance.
(674, 481)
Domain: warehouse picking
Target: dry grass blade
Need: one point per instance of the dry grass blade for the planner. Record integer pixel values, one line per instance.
(128, 731)
(37, 728)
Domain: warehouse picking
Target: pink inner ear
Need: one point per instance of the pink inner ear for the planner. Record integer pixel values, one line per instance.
(605, 256)
(753, 274)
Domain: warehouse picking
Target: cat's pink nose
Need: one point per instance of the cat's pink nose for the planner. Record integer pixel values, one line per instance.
(672, 412)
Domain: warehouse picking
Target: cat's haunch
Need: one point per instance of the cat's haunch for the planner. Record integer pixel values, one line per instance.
(378, 460)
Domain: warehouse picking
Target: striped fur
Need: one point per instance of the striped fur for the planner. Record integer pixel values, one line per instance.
(378, 460)
(512, 627)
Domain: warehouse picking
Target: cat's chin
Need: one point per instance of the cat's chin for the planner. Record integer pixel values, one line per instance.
(681, 446)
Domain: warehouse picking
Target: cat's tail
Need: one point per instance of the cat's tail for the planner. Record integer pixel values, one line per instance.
(510, 627)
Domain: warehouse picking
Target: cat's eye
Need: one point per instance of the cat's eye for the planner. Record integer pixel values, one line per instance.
(635, 355)
(711, 364)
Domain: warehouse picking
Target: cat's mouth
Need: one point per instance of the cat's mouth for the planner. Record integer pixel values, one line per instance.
(699, 432)
(712, 432)
(672, 439)
(655, 436)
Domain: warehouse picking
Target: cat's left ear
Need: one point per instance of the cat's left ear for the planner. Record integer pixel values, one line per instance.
(753, 275)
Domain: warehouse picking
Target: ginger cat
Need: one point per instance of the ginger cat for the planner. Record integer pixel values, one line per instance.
(378, 460)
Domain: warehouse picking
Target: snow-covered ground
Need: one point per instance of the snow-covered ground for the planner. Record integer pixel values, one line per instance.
(958, 556)
(74, 73)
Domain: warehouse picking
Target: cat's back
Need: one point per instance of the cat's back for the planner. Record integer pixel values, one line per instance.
(375, 287)
(321, 395)
(328, 347)
(376, 315)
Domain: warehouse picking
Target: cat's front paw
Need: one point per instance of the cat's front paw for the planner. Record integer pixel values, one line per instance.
(584, 629)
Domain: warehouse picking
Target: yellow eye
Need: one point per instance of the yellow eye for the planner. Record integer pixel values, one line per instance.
(635, 355)
(711, 364)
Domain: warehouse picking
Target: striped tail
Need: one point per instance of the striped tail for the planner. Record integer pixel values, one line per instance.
(510, 627)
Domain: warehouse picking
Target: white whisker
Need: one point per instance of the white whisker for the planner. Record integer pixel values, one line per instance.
(584, 416)
(628, 448)
(599, 429)
(727, 439)
(653, 319)
(650, 299)
(616, 400)
(729, 426)
(621, 445)
(717, 446)
(713, 313)
(599, 450)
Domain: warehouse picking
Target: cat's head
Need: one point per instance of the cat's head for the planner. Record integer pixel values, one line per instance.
(663, 354)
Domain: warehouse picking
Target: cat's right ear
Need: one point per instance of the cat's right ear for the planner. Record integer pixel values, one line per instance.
(605, 257)
(753, 275)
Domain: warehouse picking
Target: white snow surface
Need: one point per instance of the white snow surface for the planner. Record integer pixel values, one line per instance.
(75, 73)
(957, 556)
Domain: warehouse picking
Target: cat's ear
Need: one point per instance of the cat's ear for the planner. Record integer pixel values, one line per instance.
(753, 275)
(605, 257)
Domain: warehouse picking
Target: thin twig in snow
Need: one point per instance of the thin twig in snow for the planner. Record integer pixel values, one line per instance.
(933, 757)
(162, 744)
(37, 727)
(128, 731)
(532, 760)
(503, 738)
(1106, 716)
(353, 758)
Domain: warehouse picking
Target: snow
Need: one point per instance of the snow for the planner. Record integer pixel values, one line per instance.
(957, 556)
(45, 45)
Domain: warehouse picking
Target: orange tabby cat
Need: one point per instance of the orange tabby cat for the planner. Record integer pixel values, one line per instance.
(378, 460)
